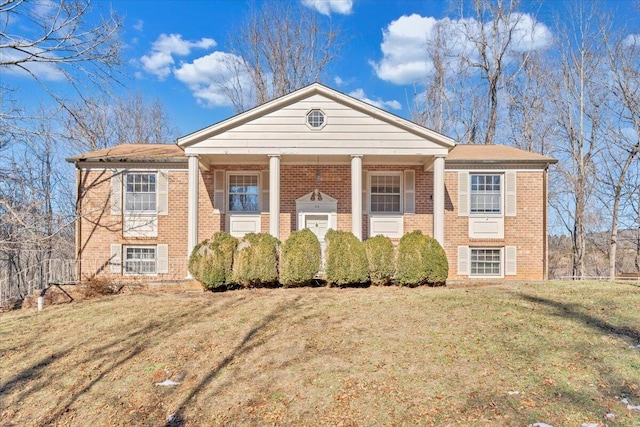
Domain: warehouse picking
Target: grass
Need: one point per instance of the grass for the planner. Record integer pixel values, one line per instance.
(320, 356)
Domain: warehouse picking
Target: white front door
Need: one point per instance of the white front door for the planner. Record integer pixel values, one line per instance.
(318, 224)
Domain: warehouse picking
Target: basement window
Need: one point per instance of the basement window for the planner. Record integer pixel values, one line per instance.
(140, 260)
(486, 262)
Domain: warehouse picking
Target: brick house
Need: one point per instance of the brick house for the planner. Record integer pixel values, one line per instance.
(315, 158)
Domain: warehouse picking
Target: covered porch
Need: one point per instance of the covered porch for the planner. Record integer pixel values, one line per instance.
(377, 167)
(367, 194)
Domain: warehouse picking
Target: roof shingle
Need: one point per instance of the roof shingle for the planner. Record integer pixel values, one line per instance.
(494, 153)
(133, 152)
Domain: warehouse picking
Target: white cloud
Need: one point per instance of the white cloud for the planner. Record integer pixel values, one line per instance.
(326, 7)
(42, 70)
(403, 48)
(530, 34)
(338, 81)
(359, 94)
(205, 75)
(139, 25)
(159, 61)
(404, 44)
(45, 9)
(632, 40)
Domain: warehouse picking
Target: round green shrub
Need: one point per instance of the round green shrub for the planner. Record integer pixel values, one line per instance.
(380, 259)
(211, 260)
(436, 259)
(421, 261)
(410, 268)
(346, 259)
(300, 258)
(255, 262)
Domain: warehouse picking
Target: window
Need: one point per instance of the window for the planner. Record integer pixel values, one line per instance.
(315, 119)
(486, 194)
(243, 193)
(385, 193)
(140, 193)
(140, 260)
(486, 262)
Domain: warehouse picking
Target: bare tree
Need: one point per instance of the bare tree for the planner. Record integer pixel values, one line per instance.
(101, 122)
(496, 33)
(578, 97)
(56, 40)
(474, 62)
(432, 108)
(623, 146)
(35, 212)
(530, 113)
(281, 47)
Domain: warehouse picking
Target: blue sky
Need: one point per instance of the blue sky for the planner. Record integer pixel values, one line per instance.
(171, 47)
(362, 23)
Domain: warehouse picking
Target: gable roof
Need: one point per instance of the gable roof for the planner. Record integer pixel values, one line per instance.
(134, 152)
(306, 92)
(494, 153)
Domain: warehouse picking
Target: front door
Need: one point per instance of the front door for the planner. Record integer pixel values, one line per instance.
(318, 224)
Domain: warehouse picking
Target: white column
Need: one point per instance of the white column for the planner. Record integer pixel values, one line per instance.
(192, 204)
(356, 196)
(438, 200)
(274, 196)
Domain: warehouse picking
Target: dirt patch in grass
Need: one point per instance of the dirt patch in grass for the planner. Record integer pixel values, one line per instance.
(559, 353)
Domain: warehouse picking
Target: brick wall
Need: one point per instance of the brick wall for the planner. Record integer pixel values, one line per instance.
(100, 229)
(525, 230)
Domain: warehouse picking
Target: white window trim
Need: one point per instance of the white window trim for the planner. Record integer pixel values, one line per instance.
(502, 196)
(371, 174)
(124, 260)
(306, 119)
(140, 213)
(502, 261)
(226, 192)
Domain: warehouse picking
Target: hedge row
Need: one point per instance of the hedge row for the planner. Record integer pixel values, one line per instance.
(261, 260)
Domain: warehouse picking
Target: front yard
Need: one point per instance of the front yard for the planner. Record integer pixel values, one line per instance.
(564, 354)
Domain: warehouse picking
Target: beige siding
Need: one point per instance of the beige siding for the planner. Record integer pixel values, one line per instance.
(345, 128)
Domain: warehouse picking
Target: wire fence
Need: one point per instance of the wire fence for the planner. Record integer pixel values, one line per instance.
(632, 277)
(36, 277)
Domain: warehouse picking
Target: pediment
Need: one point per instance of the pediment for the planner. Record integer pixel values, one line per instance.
(351, 126)
(318, 198)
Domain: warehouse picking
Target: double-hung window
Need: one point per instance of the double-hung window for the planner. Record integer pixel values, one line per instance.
(385, 191)
(244, 193)
(486, 262)
(140, 192)
(140, 260)
(486, 194)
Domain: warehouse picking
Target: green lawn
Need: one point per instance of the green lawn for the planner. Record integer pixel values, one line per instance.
(559, 353)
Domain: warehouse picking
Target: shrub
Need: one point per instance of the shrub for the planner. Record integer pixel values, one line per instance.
(256, 260)
(211, 260)
(380, 259)
(410, 268)
(93, 287)
(436, 259)
(300, 258)
(346, 259)
(421, 260)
